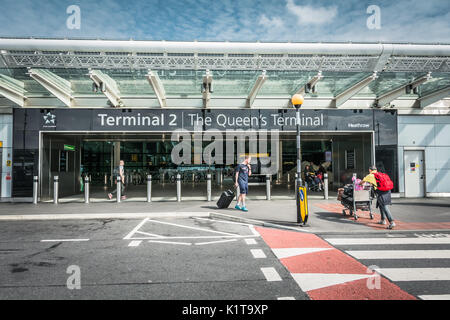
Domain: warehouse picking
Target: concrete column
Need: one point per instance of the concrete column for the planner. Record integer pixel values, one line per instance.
(119, 189)
(35, 189)
(268, 187)
(208, 186)
(178, 187)
(86, 190)
(55, 189)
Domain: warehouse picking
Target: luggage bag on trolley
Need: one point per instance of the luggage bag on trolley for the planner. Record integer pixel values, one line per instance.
(358, 200)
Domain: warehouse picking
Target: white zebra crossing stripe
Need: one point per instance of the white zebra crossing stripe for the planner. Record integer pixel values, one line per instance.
(313, 281)
(435, 297)
(416, 274)
(400, 254)
(387, 241)
(291, 252)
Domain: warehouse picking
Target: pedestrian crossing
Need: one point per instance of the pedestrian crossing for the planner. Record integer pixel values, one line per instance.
(419, 264)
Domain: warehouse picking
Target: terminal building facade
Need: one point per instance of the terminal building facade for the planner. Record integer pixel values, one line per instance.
(71, 108)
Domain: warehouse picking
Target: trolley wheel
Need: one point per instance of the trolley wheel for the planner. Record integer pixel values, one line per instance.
(356, 217)
(343, 212)
(371, 216)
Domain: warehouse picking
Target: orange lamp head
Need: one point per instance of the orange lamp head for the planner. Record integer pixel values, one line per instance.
(297, 100)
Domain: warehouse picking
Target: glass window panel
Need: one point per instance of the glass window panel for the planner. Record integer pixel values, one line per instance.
(334, 83)
(284, 83)
(388, 81)
(437, 82)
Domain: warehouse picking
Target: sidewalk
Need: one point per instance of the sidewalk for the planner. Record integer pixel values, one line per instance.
(325, 216)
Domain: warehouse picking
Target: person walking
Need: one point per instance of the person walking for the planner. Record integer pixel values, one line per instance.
(119, 171)
(382, 185)
(242, 172)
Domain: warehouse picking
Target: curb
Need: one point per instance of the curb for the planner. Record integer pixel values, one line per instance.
(96, 216)
(254, 222)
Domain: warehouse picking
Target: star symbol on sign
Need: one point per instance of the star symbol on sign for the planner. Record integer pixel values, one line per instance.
(49, 118)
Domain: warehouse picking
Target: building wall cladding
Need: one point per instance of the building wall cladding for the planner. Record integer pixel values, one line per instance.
(431, 134)
(6, 125)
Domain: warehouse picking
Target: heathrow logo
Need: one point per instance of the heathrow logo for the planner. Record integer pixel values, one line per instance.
(49, 120)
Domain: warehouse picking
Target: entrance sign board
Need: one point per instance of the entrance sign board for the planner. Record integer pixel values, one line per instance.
(168, 120)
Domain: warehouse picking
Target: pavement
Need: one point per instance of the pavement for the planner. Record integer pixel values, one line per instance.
(324, 215)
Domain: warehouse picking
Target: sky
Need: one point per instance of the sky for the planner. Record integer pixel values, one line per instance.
(426, 21)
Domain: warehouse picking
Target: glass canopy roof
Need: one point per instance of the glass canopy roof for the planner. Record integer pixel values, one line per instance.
(231, 83)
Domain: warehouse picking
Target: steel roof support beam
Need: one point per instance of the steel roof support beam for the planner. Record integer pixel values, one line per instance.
(108, 86)
(207, 88)
(12, 90)
(59, 87)
(256, 87)
(310, 85)
(341, 98)
(158, 87)
(400, 91)
(431, 98)
(227, 47)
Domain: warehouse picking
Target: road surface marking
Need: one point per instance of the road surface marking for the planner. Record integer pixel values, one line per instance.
(374, 241)
(190, 237)
(400, 254)
(416, 274)
(149, 234)
(290, 252)
(64, 240)
(258, 254)
(286, 298)
(135, 243)
(222, 221)
(313, 281)
(169, 242)
(250, 241)
(128, 236)
(271, 274)
(193, 228)
(213, 242)
(252, 229)
(435, 297)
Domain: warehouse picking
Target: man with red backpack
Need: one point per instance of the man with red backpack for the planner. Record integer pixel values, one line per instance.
(382, 185)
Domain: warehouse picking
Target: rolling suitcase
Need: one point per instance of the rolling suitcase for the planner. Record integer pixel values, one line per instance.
(225, 199)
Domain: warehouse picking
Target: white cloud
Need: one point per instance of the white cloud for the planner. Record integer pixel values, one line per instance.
(311, 15)
(275, 22)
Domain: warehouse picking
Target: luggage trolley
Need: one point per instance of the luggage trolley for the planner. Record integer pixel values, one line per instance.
(359, 199)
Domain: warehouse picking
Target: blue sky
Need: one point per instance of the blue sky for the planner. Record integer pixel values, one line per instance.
(230, 20)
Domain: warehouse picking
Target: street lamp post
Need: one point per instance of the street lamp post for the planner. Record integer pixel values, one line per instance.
(297, 101)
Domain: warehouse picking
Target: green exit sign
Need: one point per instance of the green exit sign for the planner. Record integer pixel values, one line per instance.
(68, 147)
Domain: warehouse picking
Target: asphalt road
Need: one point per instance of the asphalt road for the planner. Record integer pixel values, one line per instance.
(172, 258)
